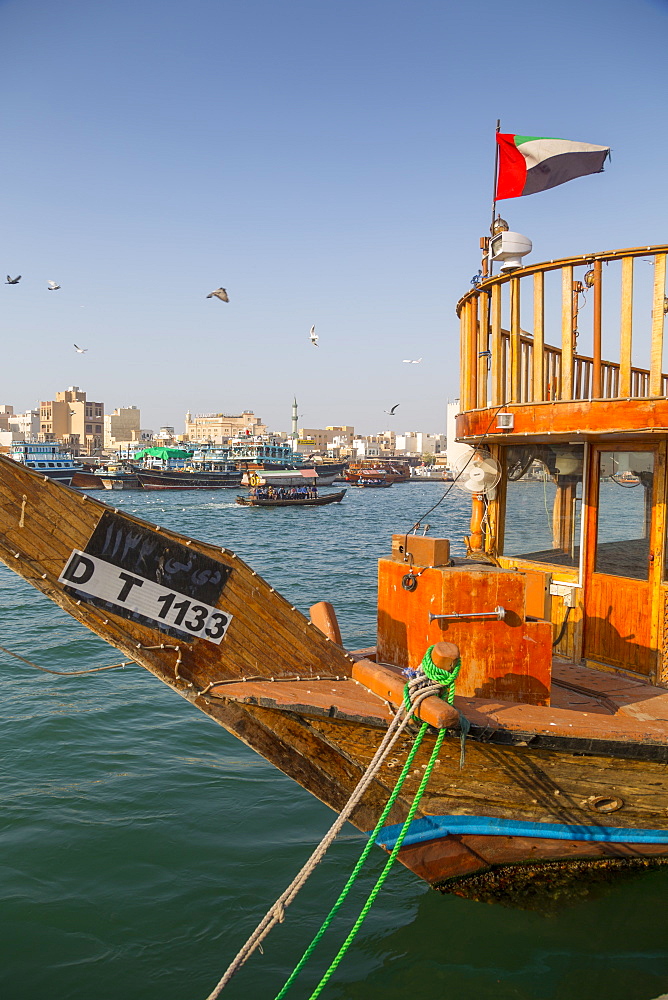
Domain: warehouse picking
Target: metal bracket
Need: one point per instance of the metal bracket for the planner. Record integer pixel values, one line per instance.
(498, 613)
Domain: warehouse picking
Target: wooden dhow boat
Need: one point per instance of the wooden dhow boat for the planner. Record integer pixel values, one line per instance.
(392, 470)
(182, 479)
(558, 612)
(253, 500)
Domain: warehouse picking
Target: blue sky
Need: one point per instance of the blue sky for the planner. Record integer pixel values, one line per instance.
(327, 163)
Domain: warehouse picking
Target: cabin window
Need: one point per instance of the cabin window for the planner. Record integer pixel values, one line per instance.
(626, 480)
(41, 465)
(543, 505)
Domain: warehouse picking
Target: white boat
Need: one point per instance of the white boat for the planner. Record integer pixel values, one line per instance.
(289, 477)
(46, 457)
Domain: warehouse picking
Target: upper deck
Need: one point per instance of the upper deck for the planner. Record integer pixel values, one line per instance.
(566, 388)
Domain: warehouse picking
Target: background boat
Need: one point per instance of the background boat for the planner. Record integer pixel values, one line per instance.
(319, 501)
(173, 479)
(393, 470)
(47, 458)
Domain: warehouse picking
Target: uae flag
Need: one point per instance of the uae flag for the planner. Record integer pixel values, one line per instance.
(529, 163)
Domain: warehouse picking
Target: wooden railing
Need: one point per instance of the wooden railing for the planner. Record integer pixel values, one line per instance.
(506, 364)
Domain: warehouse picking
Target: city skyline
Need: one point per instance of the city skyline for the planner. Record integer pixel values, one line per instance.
(191, 413)
(329, 165)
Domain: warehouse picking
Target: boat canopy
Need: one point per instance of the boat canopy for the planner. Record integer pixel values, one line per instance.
(268, 475)
(163, 453)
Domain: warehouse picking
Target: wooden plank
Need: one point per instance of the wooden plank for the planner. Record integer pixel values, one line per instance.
(473, 352)
(468, 391)
(658, 319)
(596, 368)
(463, 356)
(566, 381)
(626, 328)
(622, 417)
(539, 386)
(657, 537)
(483, 346)
(344, 700)
(515, 343)
(498, 384)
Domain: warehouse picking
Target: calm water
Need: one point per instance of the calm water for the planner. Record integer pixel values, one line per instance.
(140, 843)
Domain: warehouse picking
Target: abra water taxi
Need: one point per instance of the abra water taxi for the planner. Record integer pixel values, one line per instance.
(280, 497)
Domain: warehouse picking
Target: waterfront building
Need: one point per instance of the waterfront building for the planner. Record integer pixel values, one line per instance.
(410, 444)
(320, 440)
(122, 428)
(220, 427)
(5, 412)
(17, 426)
(418, 443)
(74, 420)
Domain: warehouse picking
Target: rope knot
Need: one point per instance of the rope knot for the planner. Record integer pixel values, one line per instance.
(436, 674)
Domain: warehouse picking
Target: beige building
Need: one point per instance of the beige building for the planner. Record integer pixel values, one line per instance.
(324, 440)
(74, 420)
(376, 445)
(6, 412)
(122, 427)
(219, 427)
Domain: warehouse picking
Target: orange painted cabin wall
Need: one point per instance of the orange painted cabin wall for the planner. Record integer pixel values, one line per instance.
(510, 660)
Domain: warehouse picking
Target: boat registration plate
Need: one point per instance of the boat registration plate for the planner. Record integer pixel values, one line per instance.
(137, 595)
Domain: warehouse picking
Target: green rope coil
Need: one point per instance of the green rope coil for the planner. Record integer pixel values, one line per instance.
(446, 678)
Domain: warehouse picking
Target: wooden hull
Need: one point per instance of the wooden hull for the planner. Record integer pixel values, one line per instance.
(370, 486)
(86, 481)
(128, 482)
(156, 480)
(393, 473)
(536, 779)
(296, 502)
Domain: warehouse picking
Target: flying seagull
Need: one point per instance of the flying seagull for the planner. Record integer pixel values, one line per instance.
(314, 336)
(80, 350)
(409, 361)
(219, 293)
(391, 412)
(53, 286)
(13, 281)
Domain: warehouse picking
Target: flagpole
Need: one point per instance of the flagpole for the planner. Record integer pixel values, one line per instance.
(496, 177)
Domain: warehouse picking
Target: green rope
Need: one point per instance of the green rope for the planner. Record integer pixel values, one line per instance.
(446, 678)
(386, 870)
(356, 870)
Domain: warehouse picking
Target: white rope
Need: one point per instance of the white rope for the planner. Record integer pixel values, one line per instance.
(419, 688)
(65, 673)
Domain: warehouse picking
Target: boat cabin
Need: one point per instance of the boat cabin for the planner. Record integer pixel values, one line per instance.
(552, 386)
(567, 551)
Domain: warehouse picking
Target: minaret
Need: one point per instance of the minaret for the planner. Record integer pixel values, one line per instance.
(295, 418)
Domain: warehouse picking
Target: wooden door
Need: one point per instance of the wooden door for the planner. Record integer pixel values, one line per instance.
(623, 555)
